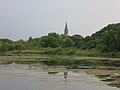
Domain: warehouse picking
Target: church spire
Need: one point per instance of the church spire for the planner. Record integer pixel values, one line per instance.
(66, 30)
(66, 26)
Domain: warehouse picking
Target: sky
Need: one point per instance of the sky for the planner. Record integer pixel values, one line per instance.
(20, 19)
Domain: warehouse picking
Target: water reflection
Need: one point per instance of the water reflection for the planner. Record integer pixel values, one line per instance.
(53, 72)
(65, 75)
(50, 80)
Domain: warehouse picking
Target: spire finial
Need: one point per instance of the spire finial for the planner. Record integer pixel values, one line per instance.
(66, 25)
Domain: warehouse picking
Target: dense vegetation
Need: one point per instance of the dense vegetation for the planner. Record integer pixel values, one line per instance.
(105, 42)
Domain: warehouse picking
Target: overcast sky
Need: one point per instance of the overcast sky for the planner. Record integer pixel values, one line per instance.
(20, 19)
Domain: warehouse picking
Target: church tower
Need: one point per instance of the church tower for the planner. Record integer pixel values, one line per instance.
(66, 30)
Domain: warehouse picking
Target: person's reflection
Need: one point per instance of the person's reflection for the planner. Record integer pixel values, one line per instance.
(65, 75)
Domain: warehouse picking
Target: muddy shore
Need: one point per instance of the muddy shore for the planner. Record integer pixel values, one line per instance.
(21, 77)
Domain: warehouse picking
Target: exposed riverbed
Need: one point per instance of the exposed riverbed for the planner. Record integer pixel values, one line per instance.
(21, 77)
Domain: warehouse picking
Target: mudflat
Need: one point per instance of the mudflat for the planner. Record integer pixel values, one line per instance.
(21, 77)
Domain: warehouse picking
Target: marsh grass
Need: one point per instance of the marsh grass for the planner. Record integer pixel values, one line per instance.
(64, 51)
(71, 61)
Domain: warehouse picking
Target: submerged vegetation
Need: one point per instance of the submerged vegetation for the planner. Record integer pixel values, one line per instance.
(104, 43)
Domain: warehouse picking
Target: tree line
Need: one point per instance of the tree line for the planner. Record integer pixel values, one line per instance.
(105, 40)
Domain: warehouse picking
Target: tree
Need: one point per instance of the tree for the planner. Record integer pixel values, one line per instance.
(57, 37)
(30, 39)
(88, 43)
(78, 39)
(49, 41)
(68, 42)
(6, 45)
(118, 40)
(53, 34)
(2, 46)
(107, 39)
(19, 45)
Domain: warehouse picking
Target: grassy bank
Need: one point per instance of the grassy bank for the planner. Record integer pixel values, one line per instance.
(64, 51)
(63, 60)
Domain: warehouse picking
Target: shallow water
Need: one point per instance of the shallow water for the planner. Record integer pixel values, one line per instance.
(19, 77)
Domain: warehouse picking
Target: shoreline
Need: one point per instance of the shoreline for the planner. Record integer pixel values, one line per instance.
(51, 55)
(39, 76)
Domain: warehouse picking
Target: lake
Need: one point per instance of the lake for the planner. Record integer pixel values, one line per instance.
(22, 77)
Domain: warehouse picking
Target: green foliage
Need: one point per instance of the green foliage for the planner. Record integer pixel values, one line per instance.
(68, 42)
(30, 39)
(49, 41)
(105, 42)
(52, 40)
(6, 45)
(57, 50)
(78, 40)
(88, 43)
(107, 39)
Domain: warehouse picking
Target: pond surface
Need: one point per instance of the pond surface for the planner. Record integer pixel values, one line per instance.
(20, 77)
